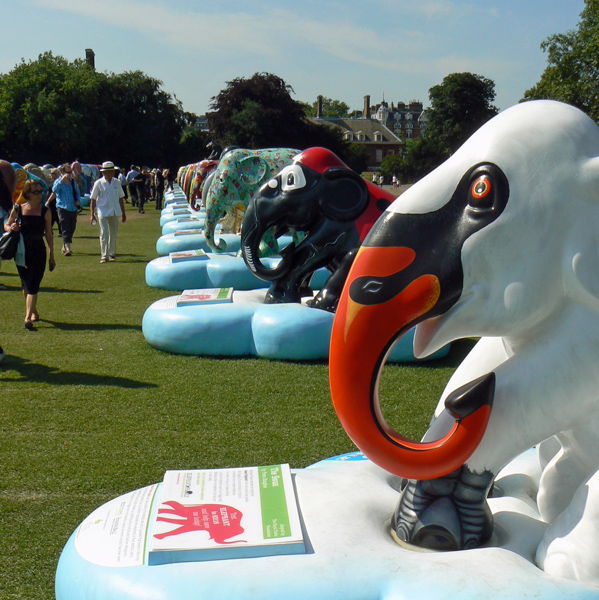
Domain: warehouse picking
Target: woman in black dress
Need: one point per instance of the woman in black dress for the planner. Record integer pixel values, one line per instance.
(34, 221)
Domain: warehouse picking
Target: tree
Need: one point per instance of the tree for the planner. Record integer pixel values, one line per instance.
(572, 72)
(421, 156)
(331, 109)
(259, 112)
(459, 106)
(53, 110)
(357, 157)
(43, 108)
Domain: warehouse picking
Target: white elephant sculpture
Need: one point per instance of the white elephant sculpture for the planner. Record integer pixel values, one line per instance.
(500, 242)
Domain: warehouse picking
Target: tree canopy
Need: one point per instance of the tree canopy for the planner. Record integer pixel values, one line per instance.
(330, 109)
(459, 106)
(53, 110)
(572, 72)
(259, 112)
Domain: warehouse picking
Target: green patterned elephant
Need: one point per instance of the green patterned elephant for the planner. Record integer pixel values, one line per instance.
(239, 174)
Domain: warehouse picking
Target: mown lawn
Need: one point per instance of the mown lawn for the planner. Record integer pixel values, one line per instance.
(90, 411)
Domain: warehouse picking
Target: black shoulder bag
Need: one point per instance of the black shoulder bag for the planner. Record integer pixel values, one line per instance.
(9, 241)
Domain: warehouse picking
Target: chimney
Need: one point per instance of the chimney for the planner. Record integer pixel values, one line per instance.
(366, 114)
(90, 57)
(319, 107)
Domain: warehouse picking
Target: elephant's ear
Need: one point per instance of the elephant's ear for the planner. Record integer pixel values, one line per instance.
(345, 196)
(253, 170)
(582, 244)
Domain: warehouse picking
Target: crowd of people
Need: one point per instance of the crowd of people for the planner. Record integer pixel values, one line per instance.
(34, 209)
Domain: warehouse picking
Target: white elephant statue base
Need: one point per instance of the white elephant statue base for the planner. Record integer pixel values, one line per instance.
(345, 504)
(500, 242)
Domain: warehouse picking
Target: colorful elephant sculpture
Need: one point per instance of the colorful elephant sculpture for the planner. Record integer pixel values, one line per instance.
(500, 242)
(201, 173)
(321, 196)
(239, 174)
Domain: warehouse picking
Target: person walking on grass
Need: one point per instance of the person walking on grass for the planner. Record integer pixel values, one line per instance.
(67, 205)
(34, 221)
(107, 202)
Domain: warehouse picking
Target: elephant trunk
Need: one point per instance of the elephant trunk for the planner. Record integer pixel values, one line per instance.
(252, 232)
(388, 291)
(213, 215)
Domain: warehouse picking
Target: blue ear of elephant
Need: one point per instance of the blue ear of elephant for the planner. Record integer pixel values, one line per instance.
(345, 196)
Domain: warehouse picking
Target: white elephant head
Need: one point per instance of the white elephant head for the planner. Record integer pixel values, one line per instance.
(500, 242)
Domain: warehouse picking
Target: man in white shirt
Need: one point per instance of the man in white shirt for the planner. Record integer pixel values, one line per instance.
(106, 200)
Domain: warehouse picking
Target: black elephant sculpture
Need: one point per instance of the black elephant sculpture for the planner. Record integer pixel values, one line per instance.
(321, 196)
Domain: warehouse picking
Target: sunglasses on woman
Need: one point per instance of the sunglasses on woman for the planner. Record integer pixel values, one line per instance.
(36, 192)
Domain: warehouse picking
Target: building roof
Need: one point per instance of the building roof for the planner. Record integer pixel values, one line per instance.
(365, 127)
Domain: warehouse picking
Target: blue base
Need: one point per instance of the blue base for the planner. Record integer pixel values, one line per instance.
(345, 504)
(218, 270)
(174, 197)
(246, 327)
(194, 222)
(169, 215)
(194, 241)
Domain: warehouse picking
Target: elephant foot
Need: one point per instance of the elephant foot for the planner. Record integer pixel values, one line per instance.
(278, 295)
(324, 301)
(448, 513)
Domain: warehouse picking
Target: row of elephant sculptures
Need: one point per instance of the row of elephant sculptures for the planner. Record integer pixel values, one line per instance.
(498, 243)
(327, 207)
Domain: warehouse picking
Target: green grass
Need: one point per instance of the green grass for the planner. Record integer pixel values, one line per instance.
(91, 411)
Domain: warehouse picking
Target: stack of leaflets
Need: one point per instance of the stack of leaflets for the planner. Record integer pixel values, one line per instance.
(205, 296)
(217, 514)
(187, 255)
(188, 231)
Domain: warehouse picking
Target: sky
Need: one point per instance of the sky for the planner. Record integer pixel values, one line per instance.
(342, 49)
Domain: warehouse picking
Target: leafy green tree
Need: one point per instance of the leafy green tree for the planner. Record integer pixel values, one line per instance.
(421, 156)
(393, 164)
(572, 72)
(44, 108)
(149, 121)
(53, 110)
(259, 112)
(330, 109)
(459, 106)
(357, 157)
(192, 147)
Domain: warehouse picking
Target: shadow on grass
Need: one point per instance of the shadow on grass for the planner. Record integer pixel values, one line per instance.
(68, 291)
(37, 373)
(89, 326)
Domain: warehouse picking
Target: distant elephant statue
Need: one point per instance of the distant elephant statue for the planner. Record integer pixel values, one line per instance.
(239, 174)
(21, 177)
(501, 242)
(201, 173)
(321, 196)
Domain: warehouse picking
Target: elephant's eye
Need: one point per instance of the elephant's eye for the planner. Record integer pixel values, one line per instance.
(481, 193)
(292, 178)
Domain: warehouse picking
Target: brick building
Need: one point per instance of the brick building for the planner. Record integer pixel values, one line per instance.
(382, 128)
